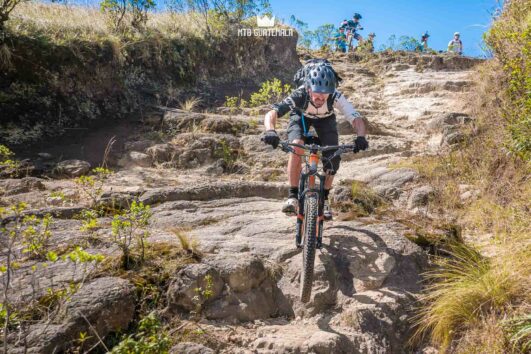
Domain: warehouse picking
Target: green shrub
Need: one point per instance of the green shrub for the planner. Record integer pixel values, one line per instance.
(150, 339)
(36, 235)
(92, 186)
(271, 91)
(131, 227)
(510, 40)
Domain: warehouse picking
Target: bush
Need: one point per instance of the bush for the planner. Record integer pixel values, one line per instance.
(271, 91)
(150, 339)
(119, 11)
(510, 40)
(131, 227)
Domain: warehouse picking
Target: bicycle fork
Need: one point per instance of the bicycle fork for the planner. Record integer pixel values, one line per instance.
(306, 186)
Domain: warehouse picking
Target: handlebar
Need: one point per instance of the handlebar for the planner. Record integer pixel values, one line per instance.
(287, 147)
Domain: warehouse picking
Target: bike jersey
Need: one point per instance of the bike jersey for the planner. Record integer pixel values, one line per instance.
(353, 26)
(299, 101)
(340, 39)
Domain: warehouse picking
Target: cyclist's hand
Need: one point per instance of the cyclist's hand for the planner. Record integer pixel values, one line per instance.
(361, 144)
(271, 138)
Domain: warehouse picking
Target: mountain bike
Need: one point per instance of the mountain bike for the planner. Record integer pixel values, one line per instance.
(309, 229)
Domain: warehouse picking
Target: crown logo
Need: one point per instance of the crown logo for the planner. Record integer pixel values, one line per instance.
(265, 21)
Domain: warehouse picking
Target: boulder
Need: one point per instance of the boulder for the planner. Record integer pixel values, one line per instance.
(72, 168)
(161, 152)
(241, 289)
(105, 305)
(182, 292)
(420, 196)
(140, 159)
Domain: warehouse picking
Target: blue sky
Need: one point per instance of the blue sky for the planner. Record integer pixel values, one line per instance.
(401, 17)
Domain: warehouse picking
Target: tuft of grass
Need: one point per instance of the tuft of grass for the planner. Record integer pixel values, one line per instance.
(518, 330)
(190, 104)
(466, 288)
(188, 244)
(364, 201)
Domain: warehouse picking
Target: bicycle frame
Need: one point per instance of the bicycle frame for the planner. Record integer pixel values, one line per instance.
(307, 182)
(307, 185)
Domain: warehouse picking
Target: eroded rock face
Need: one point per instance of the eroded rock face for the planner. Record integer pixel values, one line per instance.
(104, 305)
(23, 185)
(241, 289)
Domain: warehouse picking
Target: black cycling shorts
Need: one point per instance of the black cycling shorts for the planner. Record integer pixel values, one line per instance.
(326, 129)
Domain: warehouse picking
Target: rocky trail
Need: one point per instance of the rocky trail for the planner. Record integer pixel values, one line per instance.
(209, 176)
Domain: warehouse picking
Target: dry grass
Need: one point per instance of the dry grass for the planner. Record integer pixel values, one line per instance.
(466, 289)
(364, 201)
(74, 22)
(188, 244)
(190, 104)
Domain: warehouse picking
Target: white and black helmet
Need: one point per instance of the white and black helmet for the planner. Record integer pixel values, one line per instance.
(321, 79)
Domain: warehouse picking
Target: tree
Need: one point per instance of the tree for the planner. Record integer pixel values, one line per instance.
(6, 7)
(323, 34)
(408, 44)
(232, 11)
(306, 36)
(120, 10)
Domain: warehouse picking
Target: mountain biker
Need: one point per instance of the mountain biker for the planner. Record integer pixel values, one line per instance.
(341, 40)
(352, 27)
(313, 104)
(455, 45)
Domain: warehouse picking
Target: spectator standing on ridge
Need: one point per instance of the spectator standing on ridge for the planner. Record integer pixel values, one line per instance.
(455, 45)
(368, 45)
(423, 46)
(340, 39)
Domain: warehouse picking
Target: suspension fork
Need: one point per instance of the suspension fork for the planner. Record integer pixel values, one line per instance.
(307, 184)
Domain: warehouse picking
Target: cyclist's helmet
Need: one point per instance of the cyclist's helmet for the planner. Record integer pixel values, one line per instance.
(457, 34)
(357, 16)
(426, 35)
(372, 34)
(321, 79)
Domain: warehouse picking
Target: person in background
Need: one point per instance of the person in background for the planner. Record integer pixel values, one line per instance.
(340, 39)
(352, 27)
(368, 45)
(455, 45)
(423, 46)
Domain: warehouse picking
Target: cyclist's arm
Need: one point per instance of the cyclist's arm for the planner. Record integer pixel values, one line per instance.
(279, 109)
(347, 109)
(270, 120)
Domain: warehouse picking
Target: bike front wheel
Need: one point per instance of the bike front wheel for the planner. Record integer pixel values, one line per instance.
(311, 206)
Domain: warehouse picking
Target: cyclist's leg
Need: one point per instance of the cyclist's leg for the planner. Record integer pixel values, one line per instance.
(359, 38)
(326, 129)
(295, 135)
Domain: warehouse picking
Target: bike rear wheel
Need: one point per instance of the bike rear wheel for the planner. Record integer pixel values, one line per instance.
(311, 205)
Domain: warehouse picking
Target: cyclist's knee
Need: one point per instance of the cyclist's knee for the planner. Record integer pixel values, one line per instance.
(297, 149)
(333, 168)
